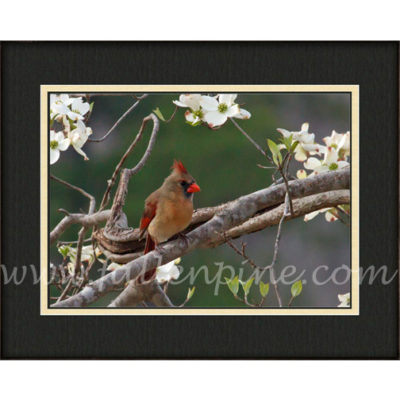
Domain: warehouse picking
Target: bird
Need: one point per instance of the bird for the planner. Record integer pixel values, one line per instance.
(168, 210)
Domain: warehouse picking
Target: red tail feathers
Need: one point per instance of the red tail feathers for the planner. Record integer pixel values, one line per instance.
(150, 244)
(149, 275)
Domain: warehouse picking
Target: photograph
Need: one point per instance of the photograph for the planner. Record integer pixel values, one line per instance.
(179, 199)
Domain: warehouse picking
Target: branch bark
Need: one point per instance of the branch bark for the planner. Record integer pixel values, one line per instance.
(209, 233)
(77, 218)
(133, 295)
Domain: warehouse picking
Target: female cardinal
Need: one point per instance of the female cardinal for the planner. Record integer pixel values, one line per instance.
(169, 209)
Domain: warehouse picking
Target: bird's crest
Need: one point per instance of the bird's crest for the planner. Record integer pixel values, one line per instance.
(178, 166)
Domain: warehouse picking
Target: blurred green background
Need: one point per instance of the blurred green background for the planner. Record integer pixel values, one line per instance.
(224, 164)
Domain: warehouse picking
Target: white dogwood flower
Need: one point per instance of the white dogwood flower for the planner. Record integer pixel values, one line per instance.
(57, 143)
(63, 105)
(169, 271)
(191, 101)
(330, 214)
(329, 163)
(344, 300)
(339, 141)
(306, 144)
(79, 136)
(216, 112)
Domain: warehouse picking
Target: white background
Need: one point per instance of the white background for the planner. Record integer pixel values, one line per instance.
(199, 20)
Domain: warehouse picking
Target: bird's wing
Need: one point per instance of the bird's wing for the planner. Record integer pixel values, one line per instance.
(149, 212)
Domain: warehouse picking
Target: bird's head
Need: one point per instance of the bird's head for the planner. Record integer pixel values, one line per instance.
(182, 180)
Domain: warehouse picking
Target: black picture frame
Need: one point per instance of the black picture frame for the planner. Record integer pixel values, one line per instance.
(374, 66)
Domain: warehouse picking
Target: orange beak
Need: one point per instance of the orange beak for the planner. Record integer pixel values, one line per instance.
(193, 188)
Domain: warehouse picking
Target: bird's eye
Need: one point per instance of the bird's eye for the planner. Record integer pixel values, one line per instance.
(183, 183)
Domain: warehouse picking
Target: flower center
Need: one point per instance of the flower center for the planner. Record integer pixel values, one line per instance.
(333, 166)
(53, 144)
(198, 114)
(222, 108)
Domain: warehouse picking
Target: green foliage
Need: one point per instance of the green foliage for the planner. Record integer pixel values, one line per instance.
(190, 293)
(233, 284)
(264, 288)
(247, 286)
(276, 153)
(158, 112)
(64, 250)
(296, 288)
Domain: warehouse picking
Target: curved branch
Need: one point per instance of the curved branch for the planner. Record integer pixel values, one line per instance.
(92, 200)
(121, 118)
(139, 135)
(205, 235)
(126, 174)
(83, 219)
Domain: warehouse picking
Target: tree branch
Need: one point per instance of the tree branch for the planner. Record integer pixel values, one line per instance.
(208, 234)
(121, 118)
(139, 135)
(82, 219)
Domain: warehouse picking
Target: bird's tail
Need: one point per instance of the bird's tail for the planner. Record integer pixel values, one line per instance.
(150, 244)
(149, 275)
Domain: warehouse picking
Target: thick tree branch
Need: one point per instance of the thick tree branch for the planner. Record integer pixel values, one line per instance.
(235, 214)
(133, 295)
(82, 219)
(126, 174)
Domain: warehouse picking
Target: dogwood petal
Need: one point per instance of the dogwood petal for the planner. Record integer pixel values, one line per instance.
(209, 103)
(54, 156)
(243, 114)
(179, 104)
(342, 164)
(301, 174)
(167, 272)
(330, 217)
(300, 154)
(304, 127)
(284, 132)
(311, 215)
(232, 111)
(215, 118)
(312, 163)
(64, 144)
(80, 151)
(227, 99)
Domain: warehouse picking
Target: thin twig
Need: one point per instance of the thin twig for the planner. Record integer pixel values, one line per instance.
(241, 252)
(276, 249)
(121, 118)
(92, 200)
(83, 230)
(61, 243)
(65, 292)
(172, 116)
(248, 137)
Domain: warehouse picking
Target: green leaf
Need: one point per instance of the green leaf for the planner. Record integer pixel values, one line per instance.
(91, 106)
(193, 123)
(247, 285)
(276, 154)
(264, 289)
(158, 112)
(233, 284)
(296, 288)
(64, 250)
(273, 146)
(294, 145)
(190, 293)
